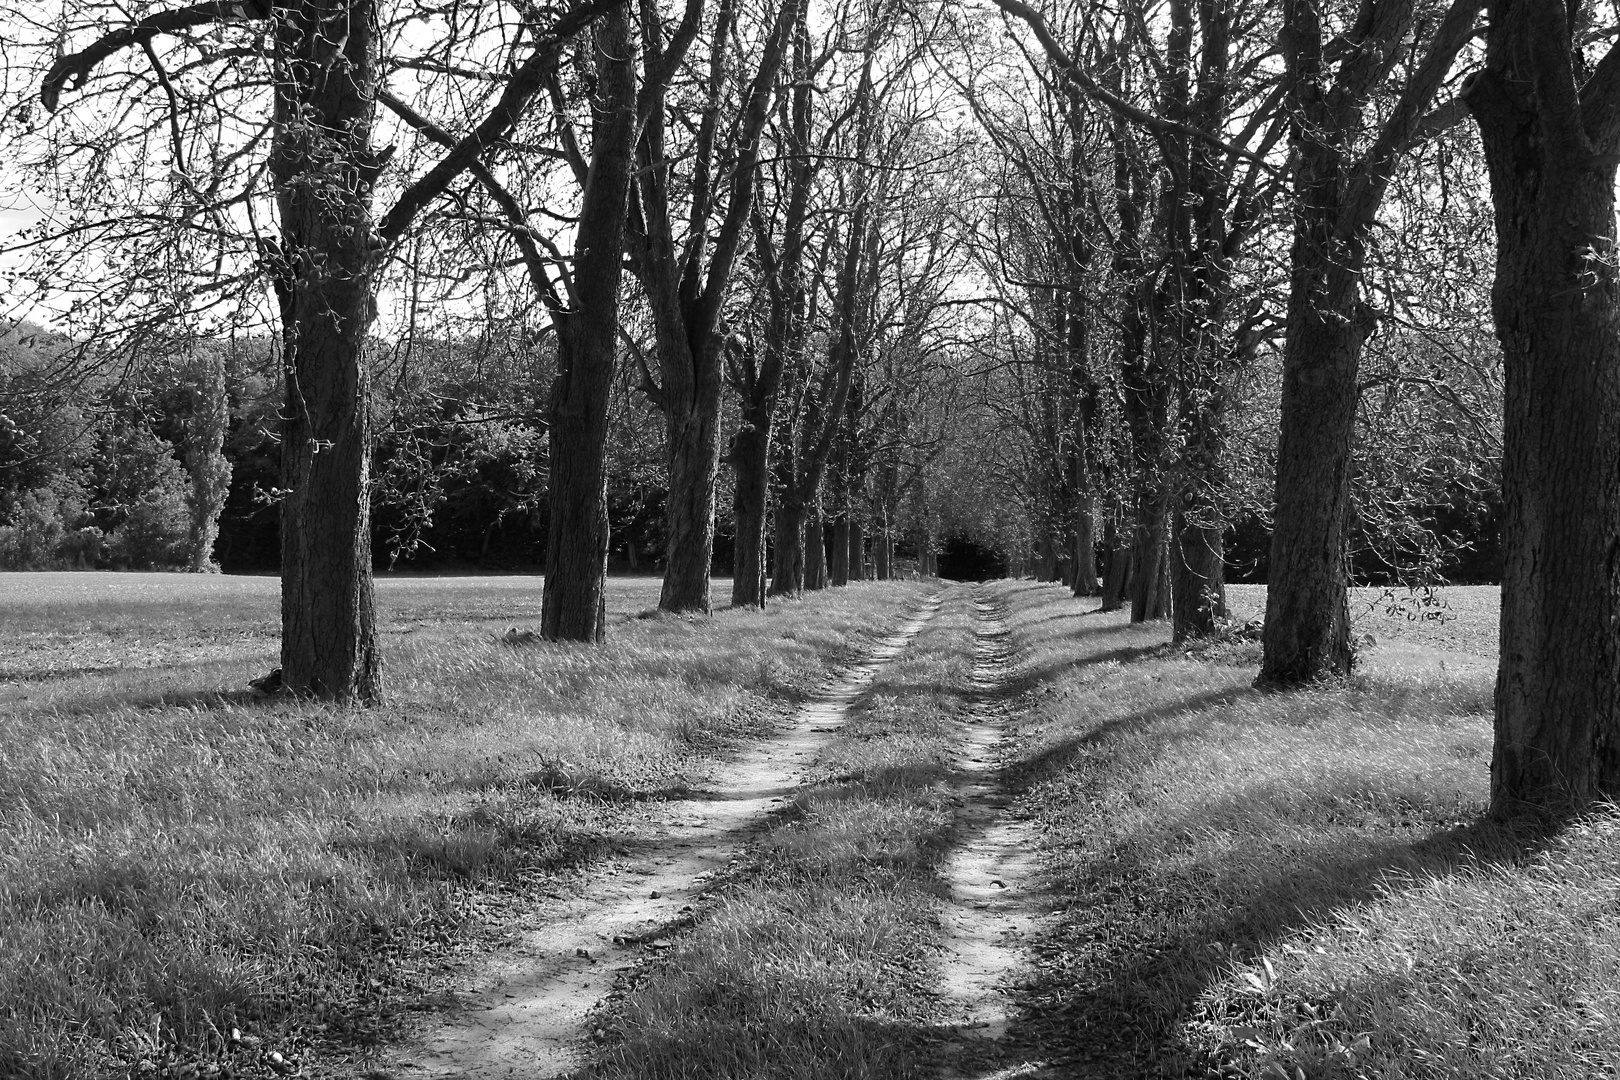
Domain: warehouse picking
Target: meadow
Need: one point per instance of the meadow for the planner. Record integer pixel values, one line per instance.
(193, 878)
(1301, 885)
(1241, 884)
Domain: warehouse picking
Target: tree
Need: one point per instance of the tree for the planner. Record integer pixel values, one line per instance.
(686, 279)
(1343, 158)
(1550, 125)
(322, 267)
(209, 470)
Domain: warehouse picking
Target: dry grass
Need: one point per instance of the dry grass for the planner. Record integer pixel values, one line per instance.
(816, 962)
(1253, 884)
(178, 859)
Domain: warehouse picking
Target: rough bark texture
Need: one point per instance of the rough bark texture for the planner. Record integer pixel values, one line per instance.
(1307, 629)
(1117, 573)
(686, 277)
(691, 400)
(324, 170)
(574, 604)
(1150, 556)
(1085, 553)
(1198, 580)
(788, 555)
(750, 460)
(838, 567)
(1550, 146)
(1336, 195)
(815, 553)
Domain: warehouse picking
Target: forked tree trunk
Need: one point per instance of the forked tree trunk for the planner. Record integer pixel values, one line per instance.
(573, 607)
(324, 170)
(1336, 196)
(1551, 151)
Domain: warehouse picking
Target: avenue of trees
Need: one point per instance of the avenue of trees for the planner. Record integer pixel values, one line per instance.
(1146, 297)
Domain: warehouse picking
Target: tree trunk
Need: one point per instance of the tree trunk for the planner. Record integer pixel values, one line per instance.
(1117, 581)
(1551, 152)
(839, 568)
(1150, 561)
(324, 170)
(1307, 628)
(815, 552)
(857, 550)
(1198, 579)
(883, 554)
(1085, 551)
(1046, 568)
(750, 458)
(788, 567)
(691, 399)
(573, 607)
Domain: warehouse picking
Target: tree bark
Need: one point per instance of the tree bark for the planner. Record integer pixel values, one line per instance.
(857, 549)
(1085, 551)
(1336, 195)
(789, 558)
(1116, 579)
(1550, 146)
(1199, 578)
(1307, 628)
(815, 552)
(1150, 555)
(573, 607)
(838, 571)
(750, 459)
(324, 170)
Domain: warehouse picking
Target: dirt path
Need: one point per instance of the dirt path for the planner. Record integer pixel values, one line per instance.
(992, 871)
(523, 1014)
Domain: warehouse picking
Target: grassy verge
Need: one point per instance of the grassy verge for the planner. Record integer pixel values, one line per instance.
(1296, 885)
(179, 862)
(816, 961)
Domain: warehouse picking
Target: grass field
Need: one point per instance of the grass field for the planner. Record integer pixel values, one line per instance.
(1301, 884)
(816, 960)
(1243, 884)
(179, 860)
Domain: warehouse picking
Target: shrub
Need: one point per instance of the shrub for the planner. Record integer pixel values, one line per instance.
(41, 520)
(154, 534)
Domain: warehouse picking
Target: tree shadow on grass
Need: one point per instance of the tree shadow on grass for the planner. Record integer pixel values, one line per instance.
(1030, 677)
(1133, 960)
(1141, 937)
(1060, 755)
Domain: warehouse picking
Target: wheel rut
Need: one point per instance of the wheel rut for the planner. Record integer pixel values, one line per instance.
(524, 1012)
(991, 874)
